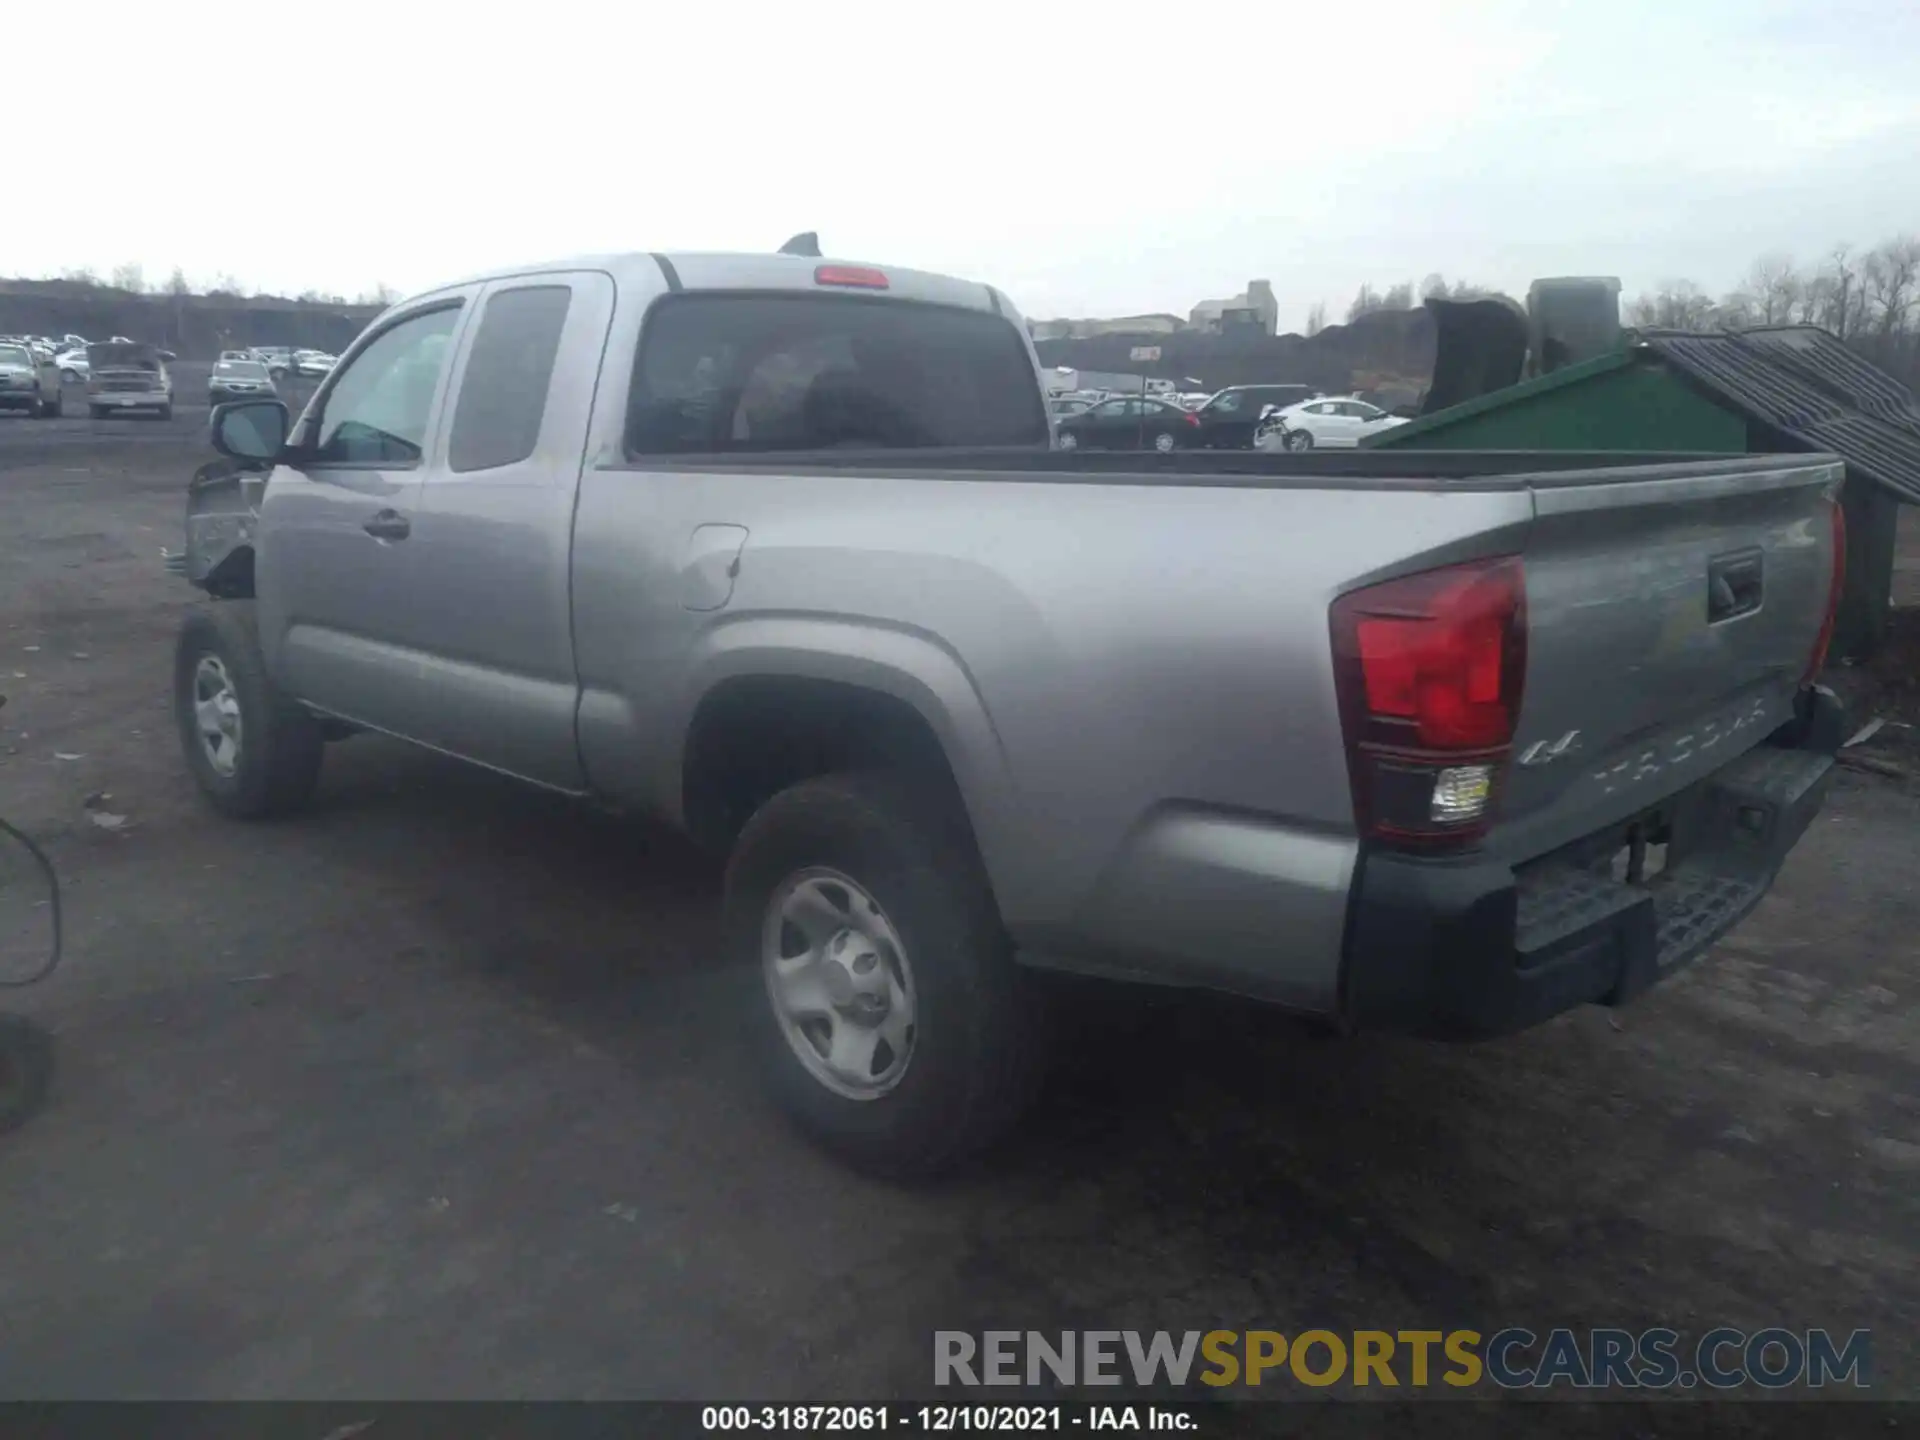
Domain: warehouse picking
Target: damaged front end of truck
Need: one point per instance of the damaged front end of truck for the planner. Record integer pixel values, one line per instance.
(223, 513)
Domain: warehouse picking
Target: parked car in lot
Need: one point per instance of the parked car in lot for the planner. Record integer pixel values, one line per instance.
(277, 358)
(1130, 422)
(28, 382)
(73, 366)
(1063, 406)
(240, 379)
(1337, 732)
(1324, 424)
(127, 376)
(312, 362)
(1230, 417)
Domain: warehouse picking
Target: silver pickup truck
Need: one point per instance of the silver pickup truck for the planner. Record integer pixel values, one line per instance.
(775, 549)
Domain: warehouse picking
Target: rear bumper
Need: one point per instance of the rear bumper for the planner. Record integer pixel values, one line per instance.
(1473, 948)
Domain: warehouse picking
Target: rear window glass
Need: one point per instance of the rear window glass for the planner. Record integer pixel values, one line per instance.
(503, 393)
(730, 373)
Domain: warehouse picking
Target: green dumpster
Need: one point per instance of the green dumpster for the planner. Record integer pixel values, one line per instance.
(1628, 400)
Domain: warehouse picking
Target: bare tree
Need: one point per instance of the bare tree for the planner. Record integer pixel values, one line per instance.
(1398, 297)
(1434, 287)
(1317, 318)
(1773, 287)
(1364, 303)
(177, 282)
(225, 284)
(82, 276)
(384, 294)
(1890, 284)
(129, 277)
(1676, 305)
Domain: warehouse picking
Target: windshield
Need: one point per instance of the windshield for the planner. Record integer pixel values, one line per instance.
(241, 369)
(15, 355)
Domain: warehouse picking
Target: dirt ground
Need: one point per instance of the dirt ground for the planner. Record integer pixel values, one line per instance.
(438, 1093)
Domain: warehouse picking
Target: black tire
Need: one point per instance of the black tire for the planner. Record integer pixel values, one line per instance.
(26, 1070)
(98, 412)
(979, 1031)
(1298, 441)
(166, 412)
(1166, 442)
(43, 410)
(280, 743)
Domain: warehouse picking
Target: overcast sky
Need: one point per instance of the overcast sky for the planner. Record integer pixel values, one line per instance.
(1094, 160)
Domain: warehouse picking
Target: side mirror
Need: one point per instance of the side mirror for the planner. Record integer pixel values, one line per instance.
(250, 429)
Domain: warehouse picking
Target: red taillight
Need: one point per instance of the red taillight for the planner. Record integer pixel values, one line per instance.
(1818, 661)
(858, 276)
(1429, 669)
(1193, 419)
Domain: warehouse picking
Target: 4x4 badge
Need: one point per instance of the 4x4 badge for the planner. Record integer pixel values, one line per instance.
(1545, 752)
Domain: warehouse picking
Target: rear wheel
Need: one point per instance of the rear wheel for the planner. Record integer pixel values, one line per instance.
(892, 1022)
(1069, 440)
(1299, 440)
(1164, 442)
(253, 752)
(166, 412)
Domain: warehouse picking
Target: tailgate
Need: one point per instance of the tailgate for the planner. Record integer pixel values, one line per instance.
(1671, 614)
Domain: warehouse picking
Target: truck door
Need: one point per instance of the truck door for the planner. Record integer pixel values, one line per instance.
(341, 610)
(490, 552)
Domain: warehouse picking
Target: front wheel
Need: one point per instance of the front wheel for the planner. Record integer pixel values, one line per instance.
(1069, 440)
(1298, 440)
(253, 752)
(893, 1023)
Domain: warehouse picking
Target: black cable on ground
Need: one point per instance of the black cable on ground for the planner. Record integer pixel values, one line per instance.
(53, 892)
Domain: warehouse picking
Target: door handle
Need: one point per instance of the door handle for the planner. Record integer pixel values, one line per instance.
(389, 525)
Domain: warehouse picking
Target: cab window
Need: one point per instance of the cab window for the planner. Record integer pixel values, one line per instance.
(378, 409)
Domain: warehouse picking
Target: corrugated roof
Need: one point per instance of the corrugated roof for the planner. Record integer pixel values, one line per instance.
(1806, 384)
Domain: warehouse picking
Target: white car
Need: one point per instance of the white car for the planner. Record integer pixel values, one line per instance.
(312, 362)
(73, 366)
(1323, 424)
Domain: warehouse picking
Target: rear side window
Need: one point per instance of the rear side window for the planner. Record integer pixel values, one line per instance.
(503, 393)
(729, 373)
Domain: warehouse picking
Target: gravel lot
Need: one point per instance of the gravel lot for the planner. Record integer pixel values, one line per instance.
(437, 1092)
